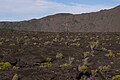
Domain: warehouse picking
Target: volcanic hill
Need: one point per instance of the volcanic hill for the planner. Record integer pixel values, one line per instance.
(102, 21)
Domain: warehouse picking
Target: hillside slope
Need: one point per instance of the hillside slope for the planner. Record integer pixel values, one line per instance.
(102, 21)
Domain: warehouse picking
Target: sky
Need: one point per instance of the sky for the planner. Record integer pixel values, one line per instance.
(18, 10)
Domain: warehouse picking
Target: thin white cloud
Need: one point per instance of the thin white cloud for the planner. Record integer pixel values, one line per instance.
(117, 0)
(38, 8)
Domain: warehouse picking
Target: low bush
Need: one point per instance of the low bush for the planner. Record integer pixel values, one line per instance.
(4, 65)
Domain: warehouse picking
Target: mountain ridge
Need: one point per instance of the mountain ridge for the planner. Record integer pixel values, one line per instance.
(101, 21)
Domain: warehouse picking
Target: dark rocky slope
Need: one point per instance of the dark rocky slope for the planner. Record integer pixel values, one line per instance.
(37, 55)
(102, 21)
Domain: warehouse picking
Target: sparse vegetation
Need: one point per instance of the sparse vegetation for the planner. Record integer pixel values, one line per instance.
(48, 60)
(15, 77)
(110, 54)
(93, 44)
(59, 56)
(65, 65)
(108, 67)
(46, 65)
(94, 72)
(83, 68)
(4, 65)
(65, 55)
(116, 77)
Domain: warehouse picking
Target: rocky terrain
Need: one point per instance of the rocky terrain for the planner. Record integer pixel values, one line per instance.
(102, 21)
(26, 55)
(62, 47)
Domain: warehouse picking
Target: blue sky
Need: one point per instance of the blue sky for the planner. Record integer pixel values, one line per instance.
(28, 9)
(90, 2)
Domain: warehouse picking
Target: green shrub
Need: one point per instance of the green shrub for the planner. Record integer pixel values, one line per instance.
(83, 68)
(59, 56)
(15, 77)
(13, 44)
(108, 67)
(65, 65)
(4, 65)
(86, 53)
(110, 54)
(93, 44)
(46, 65)
(116, 77)
(76, 44)
(15, 67)
(85, 60)
(48, 60)
(118, 53)
(94, 72)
